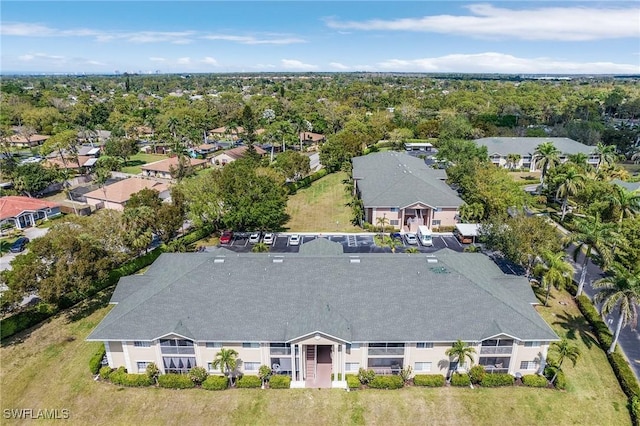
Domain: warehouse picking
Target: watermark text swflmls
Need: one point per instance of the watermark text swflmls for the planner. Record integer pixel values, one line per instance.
(34, 414)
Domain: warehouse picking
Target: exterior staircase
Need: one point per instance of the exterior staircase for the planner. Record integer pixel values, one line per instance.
(311, 363)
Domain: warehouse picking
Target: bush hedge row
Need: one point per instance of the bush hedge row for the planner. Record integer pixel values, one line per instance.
(386, 382)
(534, 381)
(306, 182)
(96, 360)
(175, 381)
(625, 376)
(430, 380)
(279, 382)
(215, 383)
(352, 381)
(604, 336)
(249, 382)
(460, 379)
(496, 379)
(122, 378)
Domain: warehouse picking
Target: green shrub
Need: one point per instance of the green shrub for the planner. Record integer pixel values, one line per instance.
(280, 382)
(215, 383)
(105, 372)
(353, 382)
(534, 381)
(592, 315)
(386, 382)
(198, 375)
(122, 378)
(497, 379)
(175, 381)
(96, 360)
(26, 319)
(625, 376)
(477, 373)
(430, 380)
(249, 382)
(561, 380)
(152, 371)
(460, 379)
(634, 408)
(365, 376)
(405, 373)
(339, 377)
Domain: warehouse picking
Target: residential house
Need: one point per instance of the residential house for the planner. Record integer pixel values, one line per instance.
(23, 212)
(499, 149)
(162, 169)
(312, 139)
(314, 316)
(629, 186)
(206, 149)
(233, 154)
(22, 141)
(404, 192)
(116, 195)
(230, 133)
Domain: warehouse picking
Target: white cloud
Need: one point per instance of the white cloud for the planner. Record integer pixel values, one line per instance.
(209, 61)
(184, 61)
(26, 57)
(254, 40)
(298, 65)
(544, 23)
(338, 65)
(157, 59)
(97, 63)
(492, 62)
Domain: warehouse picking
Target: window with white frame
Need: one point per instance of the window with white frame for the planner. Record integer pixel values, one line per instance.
(529, 365)
(394, 209)
(251, 366)
(352, 366)
(142, 366)
(424, 345)
(140, 344)
(422, 366)
(533, 344)
(251, 345)
(355, 346)
(435, 222)
(394, 222)
(210, 367)
(214, 344)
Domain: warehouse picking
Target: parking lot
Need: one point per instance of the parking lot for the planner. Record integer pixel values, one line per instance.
(351, 243)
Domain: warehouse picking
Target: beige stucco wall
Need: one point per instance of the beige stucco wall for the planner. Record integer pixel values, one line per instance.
(446, 216)
(383, 212)
(116, 355)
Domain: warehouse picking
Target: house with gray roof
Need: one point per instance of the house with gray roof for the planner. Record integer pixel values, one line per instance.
(404, 192)
(629, 186)
(313, 315)
(500, 147)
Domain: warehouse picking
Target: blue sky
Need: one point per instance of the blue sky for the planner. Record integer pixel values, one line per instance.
(519, 37)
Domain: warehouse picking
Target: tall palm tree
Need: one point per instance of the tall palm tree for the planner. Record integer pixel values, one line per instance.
(4, 247)
(620, 289)
(382, 222)
(571, 182)
(227, 361)
(512, 160)
(555, 271)
(607, 153)
(547, 156)
(592, 235)
(579, 159)
(626, 201)
(460, 351)
(563, 350)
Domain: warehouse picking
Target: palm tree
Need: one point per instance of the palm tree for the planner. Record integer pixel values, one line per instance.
(382, 222)
(563, 350)
(579, 159)
(555, 270)
(547, 156)
(460, 351)
(260, 247)
(626, 201)
(592, 235)
(570, 182)
(621, 289)
(227, 360)
(512, 160)
(4, 247)
(412, 250)
(607, 154)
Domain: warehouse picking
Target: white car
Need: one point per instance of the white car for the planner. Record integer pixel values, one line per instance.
(268, 238)
(412, 239)
(254, 237)
(294, 240)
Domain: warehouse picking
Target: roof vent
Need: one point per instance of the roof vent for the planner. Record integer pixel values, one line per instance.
(218, 260)
(354, 260)
(278, 260)
(432, 260)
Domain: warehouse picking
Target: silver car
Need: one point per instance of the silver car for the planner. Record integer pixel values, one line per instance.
(411, 239)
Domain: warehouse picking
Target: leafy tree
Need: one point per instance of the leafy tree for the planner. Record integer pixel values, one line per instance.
(457, 151)
(460, 352)
(137, 226)
(512, 160)
(619, 289)
(562, 351)
(570, 183)
(227, 361)
(555, 271)
(471, 212)
(4, 247)
(547, 156)
(122, 148)
(32, 178)
(203, 198)
(264, 372)
(63, 143)
(292, 165)
(145, 197)
(106, 162)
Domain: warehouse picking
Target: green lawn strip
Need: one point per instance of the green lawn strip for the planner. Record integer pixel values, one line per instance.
(135, 162)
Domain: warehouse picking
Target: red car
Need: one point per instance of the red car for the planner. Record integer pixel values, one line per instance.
(226, 237)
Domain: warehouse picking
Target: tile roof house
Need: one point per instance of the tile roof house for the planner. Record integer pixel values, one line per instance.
(165, 316)
(405, 191)
(232, 133)
(116, 195)
(23, 142)
(162, 169)
(233, 154)
(499, 148)
(24, 211)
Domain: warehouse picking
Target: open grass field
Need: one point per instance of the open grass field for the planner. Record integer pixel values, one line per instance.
(321, 207)
(140, 159)
(48, 368)
(525, 178)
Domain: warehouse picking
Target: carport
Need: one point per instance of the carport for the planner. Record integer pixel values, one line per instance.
(467, 232)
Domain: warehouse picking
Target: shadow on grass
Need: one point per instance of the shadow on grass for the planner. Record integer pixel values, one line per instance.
(576, 326)
(21, 336)
(133, 163)
(89, 306)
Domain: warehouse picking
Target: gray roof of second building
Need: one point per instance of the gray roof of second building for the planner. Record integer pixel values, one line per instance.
(392, 179)
(225, 296)
(526, 146)
(629, 186)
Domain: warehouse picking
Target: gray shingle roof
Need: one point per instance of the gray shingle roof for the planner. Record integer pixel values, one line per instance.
(393, 179)
(230, 297)
(527, 146)
(321, 247)
(629, 186)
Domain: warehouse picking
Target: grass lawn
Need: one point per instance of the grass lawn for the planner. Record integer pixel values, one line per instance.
(48, 368)
(526, 178)
(140, 159)
(321, 207)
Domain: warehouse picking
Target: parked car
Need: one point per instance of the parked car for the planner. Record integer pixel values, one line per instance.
(254, 238)
(294, 240)
(226, 237)
(268, 238)
(396, 236)
(19, 245)
(411, 239)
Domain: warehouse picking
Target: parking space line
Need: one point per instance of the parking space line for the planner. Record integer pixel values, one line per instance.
(444, 241)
